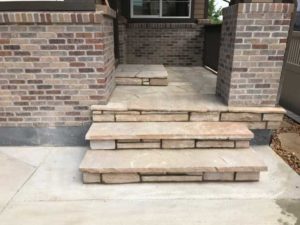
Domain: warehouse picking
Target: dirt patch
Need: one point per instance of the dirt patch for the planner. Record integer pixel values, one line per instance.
(284, 143)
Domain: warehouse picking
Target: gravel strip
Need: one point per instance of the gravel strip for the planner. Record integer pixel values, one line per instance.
(290, 158)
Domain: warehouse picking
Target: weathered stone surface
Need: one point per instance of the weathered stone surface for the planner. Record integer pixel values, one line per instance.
(154, 75)
(120, 178)
(171, 130)
(129, 141)
(158, 82)
(139, 145)
(171, 178)
(273, 125)
(273, 117)
(91, 178)
(103, 118)
(108, 144)
(205, 116)
(247, 176)
(178, 143)
(257, 109)
(170, 161)
(240, 117)
(256, 125)
(218, 176)
(122, 112)
(129, 81)
(215, 144)
(242, 144)
(111, 106)
(97, 112)
(152, 118)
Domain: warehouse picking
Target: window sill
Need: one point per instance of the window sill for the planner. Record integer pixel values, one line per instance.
(162, 20)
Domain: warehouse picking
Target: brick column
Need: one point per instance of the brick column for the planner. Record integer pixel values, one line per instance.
(253, 43)
(54, 66)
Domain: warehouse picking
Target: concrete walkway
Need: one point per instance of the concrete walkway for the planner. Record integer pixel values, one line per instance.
(42, 186)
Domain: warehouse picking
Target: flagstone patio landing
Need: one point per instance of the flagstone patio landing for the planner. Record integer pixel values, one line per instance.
(189, 96)
(189, 87)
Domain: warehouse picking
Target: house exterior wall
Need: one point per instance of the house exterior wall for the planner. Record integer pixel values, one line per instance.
(200, 9)
(253, 43)
(122, 23)
(165, 43)
(54, 66)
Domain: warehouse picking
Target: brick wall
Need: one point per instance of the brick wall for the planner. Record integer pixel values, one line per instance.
(253, 43)
(199, 9)
(54, 66)
(122, 23)
(165, 43)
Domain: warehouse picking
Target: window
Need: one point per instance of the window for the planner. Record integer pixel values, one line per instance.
(47, 5)
(160, 8)
(297, 22)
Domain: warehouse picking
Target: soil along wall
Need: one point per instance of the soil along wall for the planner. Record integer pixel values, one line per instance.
(53, 67)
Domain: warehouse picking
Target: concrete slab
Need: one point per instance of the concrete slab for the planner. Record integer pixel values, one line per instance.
(32, 156)
(62, 179)
(149, 212)
(13, 174)
(56, 195)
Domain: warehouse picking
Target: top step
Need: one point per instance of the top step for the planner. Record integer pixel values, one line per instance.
(141, 75)
(171, 130)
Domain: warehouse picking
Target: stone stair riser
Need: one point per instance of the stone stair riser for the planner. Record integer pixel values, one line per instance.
(253, 120)
(91, 178)
(167, 144)
(141, 81)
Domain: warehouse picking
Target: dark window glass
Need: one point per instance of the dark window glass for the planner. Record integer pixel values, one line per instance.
(297, 22)
(146, 7)
(161, 8)
(175, 8)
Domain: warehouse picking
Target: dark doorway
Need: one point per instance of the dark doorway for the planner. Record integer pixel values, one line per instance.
(212, 42)
(115, 5)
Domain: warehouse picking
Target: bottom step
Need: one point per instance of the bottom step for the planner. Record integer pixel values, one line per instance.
(134, 166)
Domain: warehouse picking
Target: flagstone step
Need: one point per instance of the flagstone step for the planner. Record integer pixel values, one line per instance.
(131, 166)
(141, 75)
(173, 135)
(254, 117)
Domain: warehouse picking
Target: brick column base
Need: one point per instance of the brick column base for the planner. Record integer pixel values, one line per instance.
(253, 43)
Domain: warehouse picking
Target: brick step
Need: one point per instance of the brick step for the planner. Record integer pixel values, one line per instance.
(168, 135)
(141, 75)
(131, 166)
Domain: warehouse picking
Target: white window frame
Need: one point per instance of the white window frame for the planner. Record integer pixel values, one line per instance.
(160, 16)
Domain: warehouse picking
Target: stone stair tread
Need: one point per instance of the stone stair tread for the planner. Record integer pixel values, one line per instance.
(170, 130)
(141, 71)
(169, 161)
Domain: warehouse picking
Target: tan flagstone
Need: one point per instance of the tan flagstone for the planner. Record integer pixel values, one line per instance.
(170, 130)
(120, 178)
(172, 178)
(170, 161)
